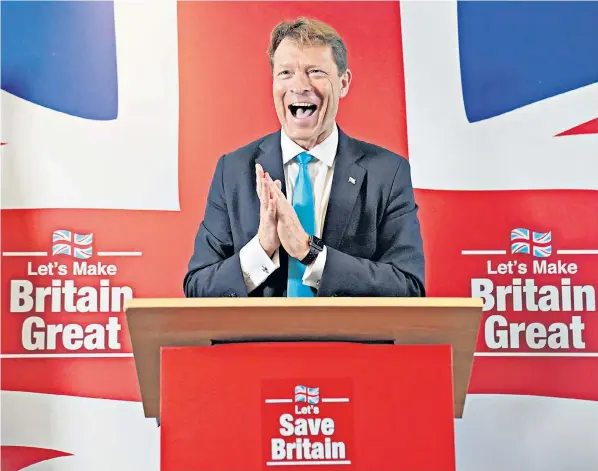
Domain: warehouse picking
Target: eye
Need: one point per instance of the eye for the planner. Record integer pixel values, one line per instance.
(283, 73)
(317, 71)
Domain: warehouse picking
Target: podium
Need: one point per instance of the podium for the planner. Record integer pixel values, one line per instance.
(304, 384)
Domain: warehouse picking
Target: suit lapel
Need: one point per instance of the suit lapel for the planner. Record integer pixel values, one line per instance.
(346, 184)
(270, 158)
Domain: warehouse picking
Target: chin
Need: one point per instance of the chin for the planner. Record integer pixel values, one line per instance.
(304, 136)
(302, 132)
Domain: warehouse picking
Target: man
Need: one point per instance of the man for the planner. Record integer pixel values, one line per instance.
(308, 211)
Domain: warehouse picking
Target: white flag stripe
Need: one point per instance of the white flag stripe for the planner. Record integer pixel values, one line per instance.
(112, 164)
(119, 254)
(97, 432)
(506, 152)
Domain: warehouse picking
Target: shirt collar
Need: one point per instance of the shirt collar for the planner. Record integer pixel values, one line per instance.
(325, 151)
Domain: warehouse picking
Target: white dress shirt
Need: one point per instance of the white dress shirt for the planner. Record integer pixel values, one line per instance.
(255, 263)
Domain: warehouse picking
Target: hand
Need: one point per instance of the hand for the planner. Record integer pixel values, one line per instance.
(290, 231)
(267, 233)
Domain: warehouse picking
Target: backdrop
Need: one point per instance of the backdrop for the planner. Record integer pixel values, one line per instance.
(115, 113)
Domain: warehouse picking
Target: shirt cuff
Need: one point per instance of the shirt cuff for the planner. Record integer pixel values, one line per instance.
(256, 265)
(313, 273)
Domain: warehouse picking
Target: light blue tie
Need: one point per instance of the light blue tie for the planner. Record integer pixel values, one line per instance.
(303, 203)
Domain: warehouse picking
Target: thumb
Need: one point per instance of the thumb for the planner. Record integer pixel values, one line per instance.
(278, 184)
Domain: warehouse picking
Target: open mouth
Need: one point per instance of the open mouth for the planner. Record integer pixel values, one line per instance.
(302, 110)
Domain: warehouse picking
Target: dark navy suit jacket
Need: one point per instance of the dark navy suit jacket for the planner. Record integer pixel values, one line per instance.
(371, 228)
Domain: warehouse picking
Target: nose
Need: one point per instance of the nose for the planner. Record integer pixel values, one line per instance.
(301, 84)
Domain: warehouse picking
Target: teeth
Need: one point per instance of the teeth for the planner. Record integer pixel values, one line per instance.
(302, 104)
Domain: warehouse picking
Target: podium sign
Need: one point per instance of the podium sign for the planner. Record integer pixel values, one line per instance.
(305, 383)
(315, 405)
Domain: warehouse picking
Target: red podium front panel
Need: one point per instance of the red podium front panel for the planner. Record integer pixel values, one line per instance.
(307, 406)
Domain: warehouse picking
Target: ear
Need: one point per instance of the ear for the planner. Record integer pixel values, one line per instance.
(346, 82)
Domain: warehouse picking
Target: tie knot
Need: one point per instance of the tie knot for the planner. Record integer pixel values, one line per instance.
(304, 158)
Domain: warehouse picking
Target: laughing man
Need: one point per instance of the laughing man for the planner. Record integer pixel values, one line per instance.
(308, 210)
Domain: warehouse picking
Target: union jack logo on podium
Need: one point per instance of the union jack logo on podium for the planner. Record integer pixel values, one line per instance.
(69, 243)
(306, 394)
(527, 242)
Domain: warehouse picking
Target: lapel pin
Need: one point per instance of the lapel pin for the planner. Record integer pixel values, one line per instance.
(352, 180)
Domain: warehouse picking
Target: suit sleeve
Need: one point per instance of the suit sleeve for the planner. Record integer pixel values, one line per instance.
(215, 268)
(397, 269)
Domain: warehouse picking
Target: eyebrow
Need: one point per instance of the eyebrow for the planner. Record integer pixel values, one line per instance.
(286, 65)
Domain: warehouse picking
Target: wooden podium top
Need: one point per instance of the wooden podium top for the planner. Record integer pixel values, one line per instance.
(156, 323)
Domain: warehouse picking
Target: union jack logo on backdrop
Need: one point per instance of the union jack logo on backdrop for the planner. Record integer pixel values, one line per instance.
(539, 245)
(305, 394)
(69, 243)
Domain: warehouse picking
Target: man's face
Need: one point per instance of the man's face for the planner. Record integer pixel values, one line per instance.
(307, 89)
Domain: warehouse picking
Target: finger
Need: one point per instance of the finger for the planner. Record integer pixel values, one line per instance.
(283, 208)
(264, 195)
(259, 174)
(282, 204)
(268, 181)
(271, 208)
(258, 186)
(277, 185)
(275, 188)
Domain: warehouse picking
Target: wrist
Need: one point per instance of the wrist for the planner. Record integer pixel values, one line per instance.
(315, 247)
(267, 248)
(304, 249)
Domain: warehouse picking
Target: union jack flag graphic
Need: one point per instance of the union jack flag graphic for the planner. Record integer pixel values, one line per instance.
(69, 243)
(305, 394)
(539, 245)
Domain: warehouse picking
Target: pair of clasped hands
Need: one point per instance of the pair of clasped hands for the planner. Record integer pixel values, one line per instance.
(279, 223)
